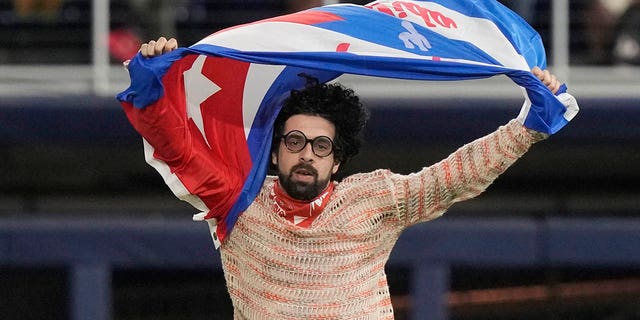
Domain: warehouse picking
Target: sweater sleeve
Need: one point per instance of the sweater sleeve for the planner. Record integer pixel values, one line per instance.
(464, 174)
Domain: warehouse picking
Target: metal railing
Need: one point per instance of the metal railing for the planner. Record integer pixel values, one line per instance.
(103, 78)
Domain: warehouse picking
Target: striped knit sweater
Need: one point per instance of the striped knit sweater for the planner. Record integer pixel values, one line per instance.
(335, 268)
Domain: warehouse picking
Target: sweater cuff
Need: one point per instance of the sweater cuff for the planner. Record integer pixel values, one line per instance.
(536, 135)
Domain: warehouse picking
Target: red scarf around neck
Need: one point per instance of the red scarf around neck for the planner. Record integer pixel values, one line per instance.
(299, 212)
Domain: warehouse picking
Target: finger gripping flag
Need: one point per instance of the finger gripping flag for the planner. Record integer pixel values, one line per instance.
(206, 112)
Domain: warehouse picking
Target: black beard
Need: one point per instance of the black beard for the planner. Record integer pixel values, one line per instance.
(300, 190)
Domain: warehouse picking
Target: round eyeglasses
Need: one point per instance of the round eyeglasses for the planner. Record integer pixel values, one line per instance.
(295, 141)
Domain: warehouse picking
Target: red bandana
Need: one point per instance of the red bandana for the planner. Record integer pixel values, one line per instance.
(299, 212)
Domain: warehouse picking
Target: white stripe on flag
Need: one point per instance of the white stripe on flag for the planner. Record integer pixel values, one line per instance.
(260, 77)
(482, 33)
(174, 183)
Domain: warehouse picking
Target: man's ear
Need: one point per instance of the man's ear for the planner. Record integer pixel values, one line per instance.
(274, 158)
(336, 166)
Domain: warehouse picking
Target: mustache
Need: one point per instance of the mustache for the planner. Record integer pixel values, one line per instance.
(306, 167)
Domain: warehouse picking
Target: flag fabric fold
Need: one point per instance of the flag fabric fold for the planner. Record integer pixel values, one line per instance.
(206, 111)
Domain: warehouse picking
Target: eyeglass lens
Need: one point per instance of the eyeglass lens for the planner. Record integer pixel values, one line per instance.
(295, 141)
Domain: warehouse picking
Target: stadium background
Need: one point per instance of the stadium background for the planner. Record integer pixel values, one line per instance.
(556, 237)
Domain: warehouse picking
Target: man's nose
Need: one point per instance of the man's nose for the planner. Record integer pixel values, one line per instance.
(306, 154)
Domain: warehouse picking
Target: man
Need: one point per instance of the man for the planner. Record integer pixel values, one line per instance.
(309, 247)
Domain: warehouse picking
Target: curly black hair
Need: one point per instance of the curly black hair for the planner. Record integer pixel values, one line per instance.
(333, 102)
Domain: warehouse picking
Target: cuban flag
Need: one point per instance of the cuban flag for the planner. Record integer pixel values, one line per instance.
(206, 112)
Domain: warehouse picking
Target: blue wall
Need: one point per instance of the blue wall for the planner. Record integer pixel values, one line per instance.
(90, 249)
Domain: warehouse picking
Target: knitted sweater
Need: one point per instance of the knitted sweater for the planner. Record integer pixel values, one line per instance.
(335, 268)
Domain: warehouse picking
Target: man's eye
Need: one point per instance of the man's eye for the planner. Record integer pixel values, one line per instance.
(322, 146)
(295, 140)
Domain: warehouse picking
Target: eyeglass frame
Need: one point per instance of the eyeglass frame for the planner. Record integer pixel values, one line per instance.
(283, 138)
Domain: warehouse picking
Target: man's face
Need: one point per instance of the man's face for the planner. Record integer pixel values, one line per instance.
(303, 175)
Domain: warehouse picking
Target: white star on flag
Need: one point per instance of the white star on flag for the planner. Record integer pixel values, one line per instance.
(198, 88)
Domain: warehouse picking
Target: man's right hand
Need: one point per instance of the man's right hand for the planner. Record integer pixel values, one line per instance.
(157, 47)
